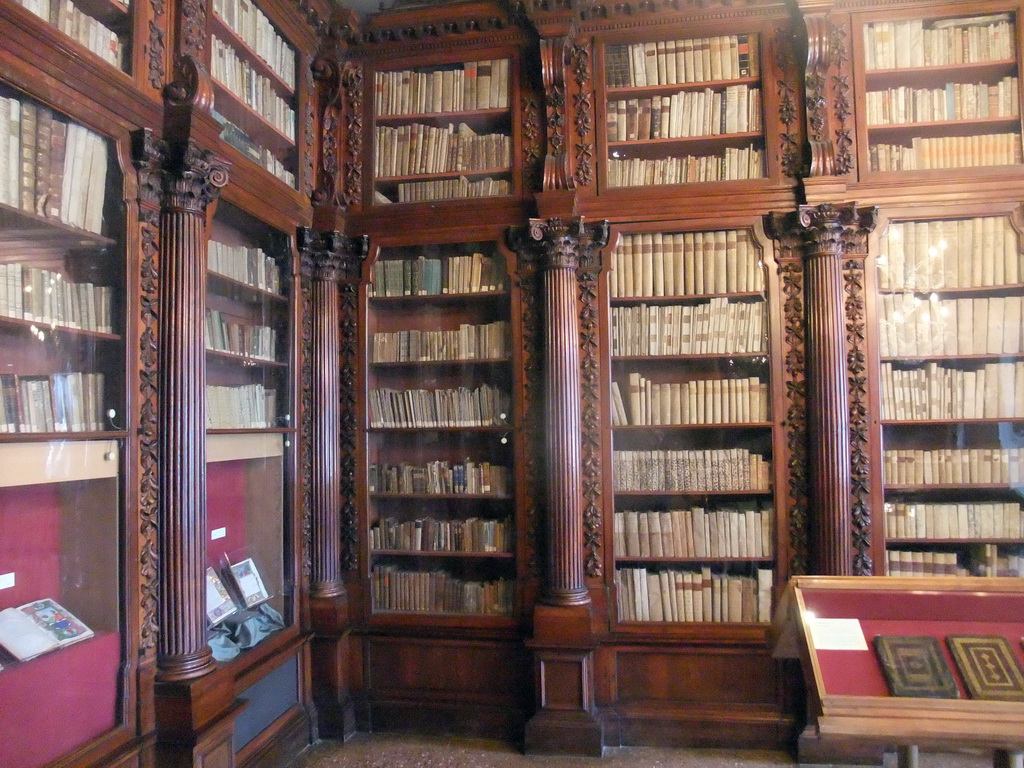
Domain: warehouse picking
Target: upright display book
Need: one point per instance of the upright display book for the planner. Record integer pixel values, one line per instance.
(40, 626)
(914, 666)
(219, 604)
(246, 579)
(988, 667)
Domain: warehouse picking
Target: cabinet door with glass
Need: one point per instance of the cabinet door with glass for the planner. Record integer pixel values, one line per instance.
(695, 523)
(441, 501)
(250, 433)
(64, 606)
(950, 385)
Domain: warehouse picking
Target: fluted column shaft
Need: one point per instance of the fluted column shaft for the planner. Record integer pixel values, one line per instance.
(191, 182)
(562, 416)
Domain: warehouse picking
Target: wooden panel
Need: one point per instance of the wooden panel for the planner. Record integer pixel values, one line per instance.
(702, 676)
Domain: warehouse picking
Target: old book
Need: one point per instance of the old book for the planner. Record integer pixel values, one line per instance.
(914, 666)
(219, 604)
(988, 666)
(40, 626)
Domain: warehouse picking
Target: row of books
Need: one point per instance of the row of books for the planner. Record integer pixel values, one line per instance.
(468, 342)
(685, 264)
(947, 152)
(48, 297)
(440, 477)
(714, 327)
(485, 406)
(447, 189)
(255, 341)
(993, 391)
(251, 88)
(416, 148)
(670, 594)
(933, 43)
(954, 466)
(950, 253)
(394, 589)
(984, 562)
(473, 534)
(49, 167)
(956, 101)
(737, 109)
(911, 327)
(241, 141)
(60, 402)
(672, 62)
(735, 164)
(717, 469)
(464, 87)
(468, 273)
(963, 520)
(250, 406)
(701, 401)
(247, 21)
(80, 27)
(744, 531)
(251, 266)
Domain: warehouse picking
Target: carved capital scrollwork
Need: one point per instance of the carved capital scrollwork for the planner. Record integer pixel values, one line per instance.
(191, 86)
(330, 256)
(194, 177)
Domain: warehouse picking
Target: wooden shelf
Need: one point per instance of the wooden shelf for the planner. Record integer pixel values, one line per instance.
(945, 488)
(659, 428)
(224, 357)
(640, 91)
(392, 180)
(472, 117)
(987, 71)
(689, 298)
(954, 542)
(919, 359)
(222, 285)
(898, 133)
(691, 560)
(443, 554)
(652, 149)
(758, 357)
(494, 361)
(24, 232)
(63, 330)
(439, 496)
(1015, 288)
(439, 298)
(948, 422)
(691, 494)
(428, 430)
(261, 131)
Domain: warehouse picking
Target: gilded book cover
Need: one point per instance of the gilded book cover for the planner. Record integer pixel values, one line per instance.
(988, 666)
(914, 666)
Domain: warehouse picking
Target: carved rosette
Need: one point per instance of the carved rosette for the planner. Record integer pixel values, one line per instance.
(556, 245)
(790, 159)
(590, 374)
(841, 75)
(352, 176)
(193, 26)
(860, 465)
(782, 228)
(533, 138)
(583, 115)
(148, 155)
(324, 71)
(156, 47)
(556, 162)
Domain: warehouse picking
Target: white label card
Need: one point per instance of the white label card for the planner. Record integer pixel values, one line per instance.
(837, 634)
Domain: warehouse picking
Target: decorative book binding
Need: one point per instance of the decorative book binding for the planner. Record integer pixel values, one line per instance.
(988, 667)
(914, 666)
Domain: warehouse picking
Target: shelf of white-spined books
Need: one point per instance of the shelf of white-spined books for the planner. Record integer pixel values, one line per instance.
(248, 406)
(954, 520)
(949, 392)
(705, 594)
(426, 535)
(60, 402)
(251, 341)
(939, 42)
(250, 266)
(967, 559)
(97, 25)
(685, 117)
(690, 402)
(953, 467)
(263, 116)
(47, 301)
(674, 62)
(61, 176)
(684, 470)
(485, 406)
(485, 343)
(456, 88)
(967, 103)
(741, 531)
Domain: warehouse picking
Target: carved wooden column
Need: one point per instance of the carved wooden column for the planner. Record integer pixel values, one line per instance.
(551, 250)
(331, 265)
(825, 231)
(192, 180)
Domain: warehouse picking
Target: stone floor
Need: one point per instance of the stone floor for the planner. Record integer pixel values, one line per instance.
(399, 751)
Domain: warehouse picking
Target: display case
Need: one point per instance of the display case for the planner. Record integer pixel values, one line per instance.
(440, 476)
(63, 435)
(938, 89)
(695, 522)
(445, 129)
(951, 376)
(250, 432)
(832, 625)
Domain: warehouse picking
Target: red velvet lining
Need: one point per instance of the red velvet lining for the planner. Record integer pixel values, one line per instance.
(59, 701)
(887, 612)
(30, 542)
(225, 508)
